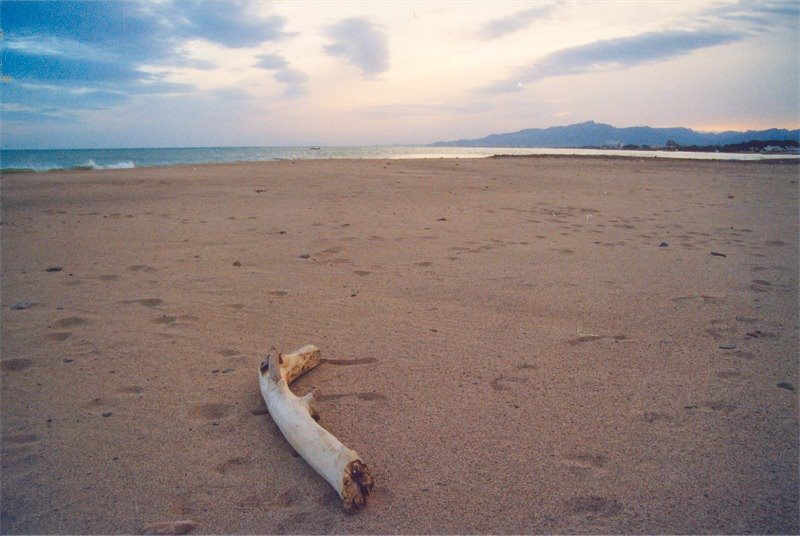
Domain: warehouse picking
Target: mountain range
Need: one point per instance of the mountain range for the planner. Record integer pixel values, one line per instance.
(591, 134)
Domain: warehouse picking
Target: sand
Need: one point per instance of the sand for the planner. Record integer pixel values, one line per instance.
(509, 347)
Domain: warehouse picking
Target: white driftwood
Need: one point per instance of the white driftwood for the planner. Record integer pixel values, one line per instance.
(339, 465)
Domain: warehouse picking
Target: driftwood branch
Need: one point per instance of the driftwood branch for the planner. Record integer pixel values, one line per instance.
(342, 467)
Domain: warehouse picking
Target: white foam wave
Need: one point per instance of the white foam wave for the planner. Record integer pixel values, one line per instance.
(91, 164)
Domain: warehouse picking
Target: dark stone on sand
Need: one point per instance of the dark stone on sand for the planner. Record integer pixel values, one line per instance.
(304, 256)
(108, 414)
(728, 345)
(663, 245)
(718, 254)
(786, 385)
(227, 370)
(237, 263)
(442, 219)
(68, 360)
(23, 305)
(54, 269)
(281, 232)
(170, 527)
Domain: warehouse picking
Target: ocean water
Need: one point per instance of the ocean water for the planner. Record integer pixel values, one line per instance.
(47, 160)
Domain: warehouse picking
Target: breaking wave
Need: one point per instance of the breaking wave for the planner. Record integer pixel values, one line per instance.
(88, 165)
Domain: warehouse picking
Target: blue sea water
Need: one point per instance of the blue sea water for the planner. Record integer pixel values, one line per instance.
(47, 160)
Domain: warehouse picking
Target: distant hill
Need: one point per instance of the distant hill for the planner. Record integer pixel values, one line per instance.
(591, 134)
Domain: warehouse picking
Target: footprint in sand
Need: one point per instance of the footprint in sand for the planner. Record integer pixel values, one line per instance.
(721, 332)
(652, 417)
(21, 439)
(232, 464)
(210, 412)
(228, 352)
(728, 374)
(70, 322)
(15, 365)
(150, 302)
(586, 464)
(368, 396)
(589, 338)
(131, 390)
(59, 335)
(592, 505)
(141, 268)
(348, 362)
(711, 406)
(759, 285)
(500, 383)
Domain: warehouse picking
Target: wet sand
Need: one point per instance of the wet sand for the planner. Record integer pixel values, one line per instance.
(508, 344)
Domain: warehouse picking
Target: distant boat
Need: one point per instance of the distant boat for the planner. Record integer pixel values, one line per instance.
(314, 148)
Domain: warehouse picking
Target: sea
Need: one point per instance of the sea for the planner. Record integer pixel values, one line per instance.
(14, 160)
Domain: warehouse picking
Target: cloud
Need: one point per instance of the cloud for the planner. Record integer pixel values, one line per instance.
(62, 69)
(229, 23)
(294, 79)
(613, 55)
(760, 16)
(503, 26)
(78, 55)
(291, 76)
(362, 43)
(272, 61)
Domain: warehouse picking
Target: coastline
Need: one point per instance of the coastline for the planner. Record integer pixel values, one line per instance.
(509, 347)
(21, 161)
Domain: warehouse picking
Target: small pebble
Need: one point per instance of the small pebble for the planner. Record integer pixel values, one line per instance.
(442, 219)
(108, 414)
(663, 245)
(718, 254)
(786, 385)
(227, 370)
(237, 263)
(54, 269)
(170, 527)
(68, 360)
(728, 345)
(304, 256)
(23, 305)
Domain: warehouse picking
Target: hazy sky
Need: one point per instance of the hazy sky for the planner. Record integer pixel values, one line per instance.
(177, 73)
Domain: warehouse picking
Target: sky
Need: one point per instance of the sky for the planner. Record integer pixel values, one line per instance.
(174, 73)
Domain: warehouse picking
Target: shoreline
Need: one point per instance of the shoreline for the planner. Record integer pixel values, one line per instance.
(774, 160)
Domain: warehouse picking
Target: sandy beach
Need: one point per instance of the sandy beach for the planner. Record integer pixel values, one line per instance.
(515, 345)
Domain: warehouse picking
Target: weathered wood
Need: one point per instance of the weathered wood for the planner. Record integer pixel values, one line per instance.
(342, 467)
